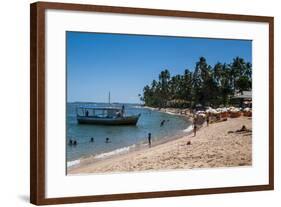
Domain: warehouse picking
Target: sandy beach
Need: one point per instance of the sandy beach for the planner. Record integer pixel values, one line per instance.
(213, 146)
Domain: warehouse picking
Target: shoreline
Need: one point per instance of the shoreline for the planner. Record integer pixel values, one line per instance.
(172, 111)
(138, 147)
(213, 146)
(131, 148)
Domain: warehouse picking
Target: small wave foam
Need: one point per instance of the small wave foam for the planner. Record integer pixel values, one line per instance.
(168, 112)
(188, 129)
(72, 163)
(114, 152)
(137, 107)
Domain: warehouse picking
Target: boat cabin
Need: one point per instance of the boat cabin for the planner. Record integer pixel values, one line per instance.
(100, 112)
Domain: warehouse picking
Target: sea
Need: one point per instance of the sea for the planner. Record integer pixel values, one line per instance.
(122, 138)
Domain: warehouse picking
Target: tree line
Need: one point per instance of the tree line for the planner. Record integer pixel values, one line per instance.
(205, 85)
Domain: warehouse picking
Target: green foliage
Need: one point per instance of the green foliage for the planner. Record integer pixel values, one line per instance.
(206, 85)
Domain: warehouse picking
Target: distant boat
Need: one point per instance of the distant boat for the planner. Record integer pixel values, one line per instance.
(105, 116)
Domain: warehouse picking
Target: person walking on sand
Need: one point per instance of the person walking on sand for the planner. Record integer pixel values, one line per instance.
(194, 126)
(208, 119)
(149, 139)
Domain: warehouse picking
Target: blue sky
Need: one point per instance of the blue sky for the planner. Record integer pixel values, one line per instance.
(123, 64)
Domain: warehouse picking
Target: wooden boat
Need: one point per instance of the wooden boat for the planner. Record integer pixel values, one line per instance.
(105, 116)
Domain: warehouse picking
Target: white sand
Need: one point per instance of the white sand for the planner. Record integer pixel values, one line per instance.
(213, 146)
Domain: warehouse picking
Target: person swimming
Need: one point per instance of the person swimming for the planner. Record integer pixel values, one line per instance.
(162, 123)
(70, 142)
(107, 140)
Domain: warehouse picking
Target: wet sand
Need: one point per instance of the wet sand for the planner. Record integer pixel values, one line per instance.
(213, 146)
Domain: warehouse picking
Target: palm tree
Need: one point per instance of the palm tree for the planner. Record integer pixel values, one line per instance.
(205, 86)
(248, 71)
(175, 87)
(203, 82)
(226, 89)
(186, 86)
(164, 79)
(238, 69)
(218, 73)
(243, 83)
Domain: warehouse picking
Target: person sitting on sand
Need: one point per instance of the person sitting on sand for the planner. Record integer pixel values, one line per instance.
(243, 129)
(107, 140)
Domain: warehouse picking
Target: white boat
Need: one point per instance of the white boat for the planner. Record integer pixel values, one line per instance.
(105, 116)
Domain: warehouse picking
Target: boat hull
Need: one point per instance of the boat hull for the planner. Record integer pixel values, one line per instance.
(130, 120)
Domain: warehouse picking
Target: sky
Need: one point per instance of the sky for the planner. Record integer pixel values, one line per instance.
(123, 64)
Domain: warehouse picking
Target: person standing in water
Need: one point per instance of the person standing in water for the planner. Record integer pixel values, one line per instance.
(149, 139)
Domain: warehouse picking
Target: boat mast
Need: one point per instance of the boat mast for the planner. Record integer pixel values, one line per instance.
(109, 97)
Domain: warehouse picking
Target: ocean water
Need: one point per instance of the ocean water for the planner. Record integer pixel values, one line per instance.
(122, 138)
